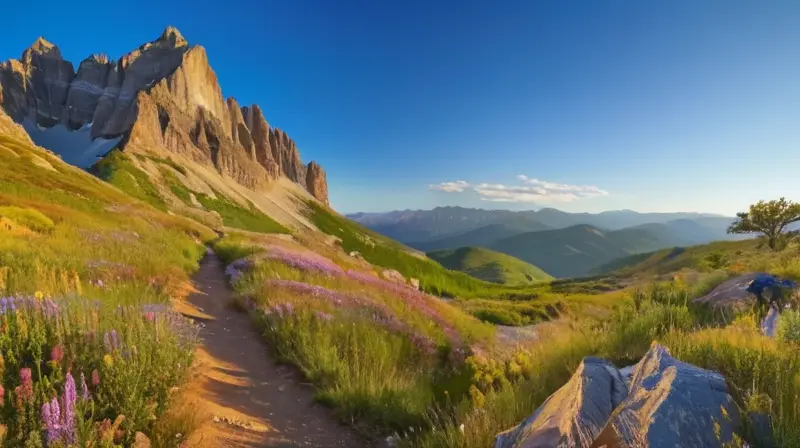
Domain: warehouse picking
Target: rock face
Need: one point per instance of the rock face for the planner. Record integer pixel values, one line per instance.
(669, 403)
(163, 96)
(575, 414)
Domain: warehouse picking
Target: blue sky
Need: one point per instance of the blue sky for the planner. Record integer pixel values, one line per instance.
(645, 105)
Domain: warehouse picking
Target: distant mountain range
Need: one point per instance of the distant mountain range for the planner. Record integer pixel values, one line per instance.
(560, 243)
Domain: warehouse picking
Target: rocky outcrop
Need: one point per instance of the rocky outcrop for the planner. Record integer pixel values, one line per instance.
(668, 403)
(163, 96)
(316, 182)
(576, 414)
(731, 293)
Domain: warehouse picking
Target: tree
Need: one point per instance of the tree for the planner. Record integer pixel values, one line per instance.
(770, 219)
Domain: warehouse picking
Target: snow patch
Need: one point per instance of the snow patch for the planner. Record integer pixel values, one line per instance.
(75, 147)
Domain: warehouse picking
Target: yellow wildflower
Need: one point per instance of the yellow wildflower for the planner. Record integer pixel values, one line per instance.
(39, 295)
(108, 361)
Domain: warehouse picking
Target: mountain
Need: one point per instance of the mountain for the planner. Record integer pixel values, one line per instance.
(418, 226)
(576, 250)
(415, 227)
(480, 237)
(162, 98)
(490, 266)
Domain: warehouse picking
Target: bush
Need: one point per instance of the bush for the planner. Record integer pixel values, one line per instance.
(28, 217)
(789, 326)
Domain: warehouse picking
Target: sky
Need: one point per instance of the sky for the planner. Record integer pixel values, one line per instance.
(579, 105)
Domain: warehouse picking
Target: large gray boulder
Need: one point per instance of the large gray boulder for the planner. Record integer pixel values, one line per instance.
(731, 293)
(672, 404)
(668, 403)
(575, 414)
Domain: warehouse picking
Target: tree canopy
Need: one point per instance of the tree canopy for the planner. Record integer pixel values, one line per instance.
(770, 218)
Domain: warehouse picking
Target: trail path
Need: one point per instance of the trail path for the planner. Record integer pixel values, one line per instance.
(246, 399)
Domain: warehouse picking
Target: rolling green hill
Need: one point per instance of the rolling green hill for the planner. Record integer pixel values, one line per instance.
(490, 266)
(575, 251)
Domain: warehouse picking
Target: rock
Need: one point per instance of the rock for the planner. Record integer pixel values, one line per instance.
(161, 97)
(672, 403)
(761, 430)
(316, 182)
(141, 441)
(731, 293)
(668, 403)
(769, 326)
(393, 276)
(575, 414)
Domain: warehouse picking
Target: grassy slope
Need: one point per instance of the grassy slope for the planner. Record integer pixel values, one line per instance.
(490, 266)
(119, 170)
(66, 234)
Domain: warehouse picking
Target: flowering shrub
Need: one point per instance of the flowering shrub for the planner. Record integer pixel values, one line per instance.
(132, 357)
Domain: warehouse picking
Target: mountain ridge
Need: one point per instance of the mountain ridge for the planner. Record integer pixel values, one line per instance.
(161, 97)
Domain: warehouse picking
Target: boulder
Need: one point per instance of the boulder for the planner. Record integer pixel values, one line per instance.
(667, 403)
(731, 293)
(671, 403)
(575, 414)
(316, 182)
(393, 276)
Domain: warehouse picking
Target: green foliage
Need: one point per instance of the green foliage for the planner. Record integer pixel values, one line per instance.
(490, 266)
(28, 217)
(717, 260)
(770, 219)
(504, 312)
(117, 169)
(169, 162)
(789, 326)
(176, 186)
(234, 215)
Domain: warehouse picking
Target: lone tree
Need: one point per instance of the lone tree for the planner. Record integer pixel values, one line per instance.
(770, 219)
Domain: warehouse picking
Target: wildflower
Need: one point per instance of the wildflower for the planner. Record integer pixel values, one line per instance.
(2, 395)
(95, 378)
(51, 415)
(151, 316)
(25, 390)
(108, 361)
(57, 353)
(39, 295)
(324, 316)
(68, 404)
(84, 389)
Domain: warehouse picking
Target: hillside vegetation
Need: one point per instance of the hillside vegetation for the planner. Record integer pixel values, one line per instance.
(86, 275)
(490, 266)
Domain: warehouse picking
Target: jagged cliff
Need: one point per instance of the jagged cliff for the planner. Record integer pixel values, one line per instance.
(163, 96)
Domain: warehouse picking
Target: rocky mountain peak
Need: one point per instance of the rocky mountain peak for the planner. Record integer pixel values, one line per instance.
(173, 37)
(42, 47)
(164, 97)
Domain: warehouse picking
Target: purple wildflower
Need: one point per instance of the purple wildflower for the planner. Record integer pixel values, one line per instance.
(324, 316)
(51, 415)
(84, 389)
(305, 261)
(69, 399)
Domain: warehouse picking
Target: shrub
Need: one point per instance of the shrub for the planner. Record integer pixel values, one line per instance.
(789, 326)
(28, 217)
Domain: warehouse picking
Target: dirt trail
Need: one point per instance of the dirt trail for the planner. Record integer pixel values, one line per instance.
(246, 399)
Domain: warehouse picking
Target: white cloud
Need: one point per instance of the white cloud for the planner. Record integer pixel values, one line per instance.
(458, 186)
(533, 190)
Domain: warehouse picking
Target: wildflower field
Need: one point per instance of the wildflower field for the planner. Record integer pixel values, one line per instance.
(91, 353)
